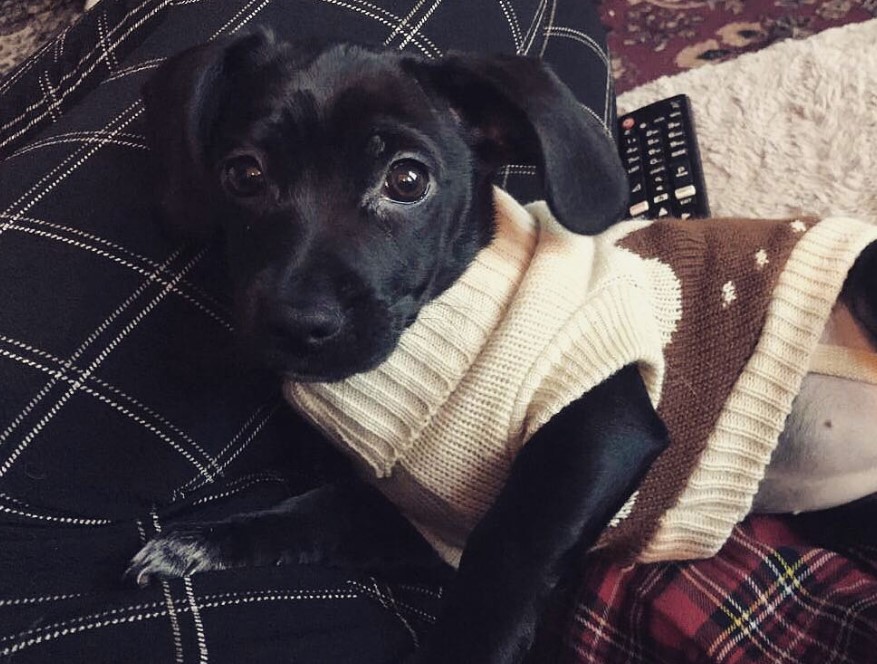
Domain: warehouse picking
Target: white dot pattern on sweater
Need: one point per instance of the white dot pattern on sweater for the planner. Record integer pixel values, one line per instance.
(729, 293)
(761, 259)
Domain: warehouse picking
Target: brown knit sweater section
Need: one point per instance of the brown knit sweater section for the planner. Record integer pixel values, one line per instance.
(728, 269)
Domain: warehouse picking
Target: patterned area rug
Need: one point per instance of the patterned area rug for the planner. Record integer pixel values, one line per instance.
(27, 24)
(652, 38)
(647, 38)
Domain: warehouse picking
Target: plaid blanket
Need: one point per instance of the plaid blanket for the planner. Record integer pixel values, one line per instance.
(768, 596)
(120, 411)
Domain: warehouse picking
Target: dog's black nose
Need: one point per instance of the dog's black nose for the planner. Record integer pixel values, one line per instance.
(307, 324)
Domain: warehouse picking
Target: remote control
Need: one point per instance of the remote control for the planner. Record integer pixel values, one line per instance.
(659, 150)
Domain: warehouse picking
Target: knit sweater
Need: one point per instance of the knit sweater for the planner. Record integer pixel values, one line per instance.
(720, 316)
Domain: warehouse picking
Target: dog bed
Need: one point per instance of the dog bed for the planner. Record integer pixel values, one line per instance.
(121, 410)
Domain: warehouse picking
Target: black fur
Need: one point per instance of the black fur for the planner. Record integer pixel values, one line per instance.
(572, 476)
(327, 271)
(329, 268)
(347, 524)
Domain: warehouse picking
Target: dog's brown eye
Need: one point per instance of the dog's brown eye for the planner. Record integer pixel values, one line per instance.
(407, 181)
(242, 176)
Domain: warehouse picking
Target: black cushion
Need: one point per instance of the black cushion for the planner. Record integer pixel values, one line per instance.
(122, 402)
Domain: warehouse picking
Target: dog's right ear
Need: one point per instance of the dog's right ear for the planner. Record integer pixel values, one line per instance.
(182, 101)
(519, 111)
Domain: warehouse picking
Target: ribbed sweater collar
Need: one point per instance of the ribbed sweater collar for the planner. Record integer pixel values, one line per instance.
(378, 414)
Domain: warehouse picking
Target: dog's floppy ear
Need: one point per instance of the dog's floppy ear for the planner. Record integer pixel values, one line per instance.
(182, 101)
(520, 112)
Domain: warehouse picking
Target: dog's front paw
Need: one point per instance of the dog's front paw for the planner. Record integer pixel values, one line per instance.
(183, 550)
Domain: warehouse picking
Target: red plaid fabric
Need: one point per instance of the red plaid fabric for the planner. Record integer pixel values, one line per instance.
(768, 596)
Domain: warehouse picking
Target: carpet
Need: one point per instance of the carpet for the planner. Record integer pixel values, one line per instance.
(652, 38)
(25, 25)
(788, 130)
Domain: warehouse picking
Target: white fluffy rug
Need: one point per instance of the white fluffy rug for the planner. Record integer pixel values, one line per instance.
(788, 130)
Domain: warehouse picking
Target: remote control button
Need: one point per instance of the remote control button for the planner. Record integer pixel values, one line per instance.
(663, 212)
(687, 206)
(639, 208)
(685, 192)
(637, 188)
(678, 153)
(660, 198)
(633, 170)
(680, 170)
(628, 123)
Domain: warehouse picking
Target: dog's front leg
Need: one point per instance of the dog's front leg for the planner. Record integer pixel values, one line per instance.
(566, 484)
(347, 524)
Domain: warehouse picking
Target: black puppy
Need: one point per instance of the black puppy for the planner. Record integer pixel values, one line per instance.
(351, 187)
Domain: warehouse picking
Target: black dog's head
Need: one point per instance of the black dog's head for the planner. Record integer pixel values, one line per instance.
(353, 185)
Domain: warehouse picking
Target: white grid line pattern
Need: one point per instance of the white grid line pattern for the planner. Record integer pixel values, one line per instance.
(580, 37)
(153, 610)
(508, 10)
(240, 484)
(68, 166)
(51, 99)
(66, 520)
(174, 621)
(59, 45)
(198, 482)
(26, 66)
(26, 440)
(73, 138)
(535, 22)
(379, 14)
(42, 599)
(150, 268)
(142, 419)
(152, 63)
(166, 592)
(200, 635)
(547, 30)
(416, 29)
(404, 22)
(83, 75)
(108, 49)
